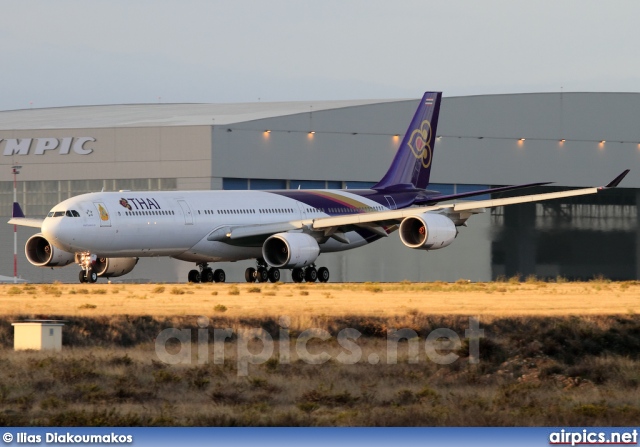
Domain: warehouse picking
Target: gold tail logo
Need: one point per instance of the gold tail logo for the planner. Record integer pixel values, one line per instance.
(420, 143)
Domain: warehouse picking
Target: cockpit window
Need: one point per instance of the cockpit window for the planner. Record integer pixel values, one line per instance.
(68, 213)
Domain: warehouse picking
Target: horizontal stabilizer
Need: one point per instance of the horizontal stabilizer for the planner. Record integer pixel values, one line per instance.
(26, 222)
(18, 218)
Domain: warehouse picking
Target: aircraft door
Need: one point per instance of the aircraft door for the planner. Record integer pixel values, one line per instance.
(303, 210)
(103, 213)
(186, 210)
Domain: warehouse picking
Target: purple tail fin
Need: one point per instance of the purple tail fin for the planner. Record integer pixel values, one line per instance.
(411, 166)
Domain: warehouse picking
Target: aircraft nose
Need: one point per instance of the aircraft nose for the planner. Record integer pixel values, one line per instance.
(56, 232)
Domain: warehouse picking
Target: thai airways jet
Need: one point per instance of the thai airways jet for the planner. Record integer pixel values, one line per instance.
(107, 232)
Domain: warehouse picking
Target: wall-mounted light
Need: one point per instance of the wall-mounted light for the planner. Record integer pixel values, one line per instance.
(562, 140)
(313, 132)
(521, 139)
(603, 141)
(267, 131)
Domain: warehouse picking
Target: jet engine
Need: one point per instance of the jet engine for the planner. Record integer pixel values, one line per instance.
(427, 231)
(290, 250)
(41, 253)
(112, 267)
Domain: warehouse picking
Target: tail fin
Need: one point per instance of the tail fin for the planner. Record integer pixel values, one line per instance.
(411, 166)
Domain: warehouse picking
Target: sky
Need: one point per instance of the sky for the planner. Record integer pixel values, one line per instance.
(77, 52)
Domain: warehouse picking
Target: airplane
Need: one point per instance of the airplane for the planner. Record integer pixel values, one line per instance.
(107, 232)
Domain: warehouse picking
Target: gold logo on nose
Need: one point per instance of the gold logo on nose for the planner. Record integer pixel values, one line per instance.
(103, 213)
(420, 143)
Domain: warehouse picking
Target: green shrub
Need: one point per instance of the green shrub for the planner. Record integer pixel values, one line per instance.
(87, 306)
(220, 308)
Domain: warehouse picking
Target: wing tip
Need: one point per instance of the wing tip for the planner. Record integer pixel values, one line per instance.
(616, 181)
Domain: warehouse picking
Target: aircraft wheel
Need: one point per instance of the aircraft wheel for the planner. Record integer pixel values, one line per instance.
(250, 274)
(93, 276)
(274, 274)
(263, 274)
(194, 276)
(323, 274)
(207, 275)
(297, 275)
(219, 276)
(82, 277)
(311, 274)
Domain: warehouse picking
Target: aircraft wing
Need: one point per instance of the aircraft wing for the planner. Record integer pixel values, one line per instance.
(394, 217)
(336, 226)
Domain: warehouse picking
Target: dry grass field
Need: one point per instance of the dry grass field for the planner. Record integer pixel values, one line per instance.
(499, 299)
(552, 354)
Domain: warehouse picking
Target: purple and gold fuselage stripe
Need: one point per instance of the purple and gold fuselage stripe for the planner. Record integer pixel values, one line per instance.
(324, 200)
(341, 200)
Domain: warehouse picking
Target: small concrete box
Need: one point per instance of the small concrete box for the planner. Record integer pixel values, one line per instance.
(38, 336)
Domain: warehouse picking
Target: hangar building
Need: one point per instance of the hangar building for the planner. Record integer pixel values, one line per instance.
(573, 139)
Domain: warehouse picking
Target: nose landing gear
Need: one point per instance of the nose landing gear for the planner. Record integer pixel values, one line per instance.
(89, 276)
(86, 261)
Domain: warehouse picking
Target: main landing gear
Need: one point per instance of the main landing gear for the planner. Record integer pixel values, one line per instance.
(206, 274)
(263, 274)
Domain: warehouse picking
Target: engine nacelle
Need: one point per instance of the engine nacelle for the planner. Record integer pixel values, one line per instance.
(112, 267)
(427, 231)
(290, 250)
(41, 253)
